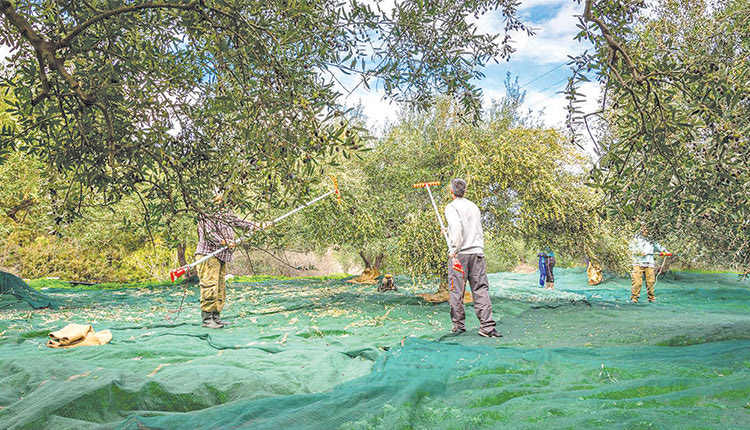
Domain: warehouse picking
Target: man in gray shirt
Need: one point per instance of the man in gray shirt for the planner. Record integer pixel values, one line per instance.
(467, 246)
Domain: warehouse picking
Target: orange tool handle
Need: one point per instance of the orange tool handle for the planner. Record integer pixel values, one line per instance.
(336, 188)
(426, 184)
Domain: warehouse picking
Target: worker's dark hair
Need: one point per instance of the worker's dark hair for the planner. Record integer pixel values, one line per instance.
(459, 187)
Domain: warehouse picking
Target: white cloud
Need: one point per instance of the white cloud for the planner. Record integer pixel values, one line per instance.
(492, 93)
(528, 4)
(4, 52)
(489, 23)
(551, 45)
(380, 112)
(555, 105)
(554, 38)
(553, 41)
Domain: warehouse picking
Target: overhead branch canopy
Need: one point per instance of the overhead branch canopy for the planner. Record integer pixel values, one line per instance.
(171, 99)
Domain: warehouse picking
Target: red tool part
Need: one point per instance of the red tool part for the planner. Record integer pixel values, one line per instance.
(426, 184)
(336, 188)
(457, 266)
(178, 272)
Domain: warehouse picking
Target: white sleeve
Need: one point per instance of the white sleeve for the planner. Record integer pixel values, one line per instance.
(634, 248)
(455, 230)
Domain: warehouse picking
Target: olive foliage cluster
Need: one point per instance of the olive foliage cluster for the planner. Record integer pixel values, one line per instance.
(676, 140)
(528, 180)
(172, 99)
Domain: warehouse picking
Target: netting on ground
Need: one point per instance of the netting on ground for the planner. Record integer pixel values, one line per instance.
(328, 354)
(15, 294)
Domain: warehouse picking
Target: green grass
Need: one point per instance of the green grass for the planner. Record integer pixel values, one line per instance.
(40, 283)
(43, 283)
(638, 392)
(710, 272)
(500, 398)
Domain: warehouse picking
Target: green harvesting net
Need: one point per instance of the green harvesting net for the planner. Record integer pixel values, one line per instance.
(326, 354)
(15, 294)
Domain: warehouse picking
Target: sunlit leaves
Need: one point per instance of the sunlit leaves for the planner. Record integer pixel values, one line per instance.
(677, 95)
(173, 99)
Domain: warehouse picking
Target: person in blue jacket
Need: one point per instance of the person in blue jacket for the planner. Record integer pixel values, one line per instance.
(546, 268)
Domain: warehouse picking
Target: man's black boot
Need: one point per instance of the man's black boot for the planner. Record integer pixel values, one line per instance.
(208, 320)
(217, 319)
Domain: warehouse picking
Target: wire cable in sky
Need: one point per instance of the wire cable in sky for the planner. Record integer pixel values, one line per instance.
(550, 96)
(543, 75)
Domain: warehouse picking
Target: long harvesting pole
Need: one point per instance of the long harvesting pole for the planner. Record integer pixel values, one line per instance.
(178, 272)
(456, 264)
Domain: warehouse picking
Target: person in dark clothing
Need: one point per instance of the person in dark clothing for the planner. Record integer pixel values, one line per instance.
(546, 269)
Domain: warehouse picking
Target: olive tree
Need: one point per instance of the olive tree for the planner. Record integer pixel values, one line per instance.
(676, 96)
(170, 99)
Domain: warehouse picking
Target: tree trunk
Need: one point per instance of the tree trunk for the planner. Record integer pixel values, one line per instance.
(181, 254)
(182, 261)
(371, 273)
(368, 263)
(25, 204)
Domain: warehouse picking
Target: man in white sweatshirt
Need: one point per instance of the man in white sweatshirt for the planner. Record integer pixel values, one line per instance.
(467, 246)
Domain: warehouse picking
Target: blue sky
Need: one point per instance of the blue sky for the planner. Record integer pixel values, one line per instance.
(539, 63)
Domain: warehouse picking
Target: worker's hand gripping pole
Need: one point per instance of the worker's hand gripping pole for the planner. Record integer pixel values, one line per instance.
(456, 264)
(178, 272)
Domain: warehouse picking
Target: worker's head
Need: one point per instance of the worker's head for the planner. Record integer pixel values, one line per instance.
(458, 187)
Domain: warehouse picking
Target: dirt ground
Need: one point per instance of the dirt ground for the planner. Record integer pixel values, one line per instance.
(291, 263)
(524, 267)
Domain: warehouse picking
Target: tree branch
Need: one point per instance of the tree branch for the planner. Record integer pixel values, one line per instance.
(121, 10)
(25, 204)
(614, 44)
(44, 49)
(43, 79)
